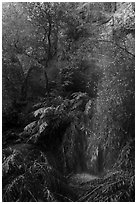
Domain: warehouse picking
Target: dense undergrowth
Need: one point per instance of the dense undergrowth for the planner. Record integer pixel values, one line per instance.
(69, 133)
(76, 141)
(27, 176)
(53, 147)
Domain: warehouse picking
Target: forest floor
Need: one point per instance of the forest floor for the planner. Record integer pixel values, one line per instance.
(115, 185)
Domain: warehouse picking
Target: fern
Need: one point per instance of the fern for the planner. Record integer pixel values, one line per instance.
(116, 186)
(27, 176)
(62, 128)
(13, 162)
(30, 128)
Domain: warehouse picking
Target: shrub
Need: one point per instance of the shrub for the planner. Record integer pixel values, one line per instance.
(27, 176)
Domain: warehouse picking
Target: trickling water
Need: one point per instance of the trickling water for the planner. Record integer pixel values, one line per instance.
(81, 178)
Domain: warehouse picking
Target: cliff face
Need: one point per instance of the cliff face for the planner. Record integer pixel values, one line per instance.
(12, 79)
(35, 84)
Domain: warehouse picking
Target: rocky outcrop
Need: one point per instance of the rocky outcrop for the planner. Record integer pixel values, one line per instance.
(35, 84)
(12, 79)
(22, 84)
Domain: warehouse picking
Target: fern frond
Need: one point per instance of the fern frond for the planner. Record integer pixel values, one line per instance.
(113, 187)
(31, 128)
(13, 161)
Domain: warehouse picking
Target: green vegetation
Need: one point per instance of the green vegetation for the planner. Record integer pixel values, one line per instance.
(68, 102)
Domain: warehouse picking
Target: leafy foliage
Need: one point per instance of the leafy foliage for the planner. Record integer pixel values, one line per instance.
(115, 187)
(78, 143)
(62, 129)
(27, 176)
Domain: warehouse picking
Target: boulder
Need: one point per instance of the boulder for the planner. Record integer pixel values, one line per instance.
(12, 79)
(35, 84)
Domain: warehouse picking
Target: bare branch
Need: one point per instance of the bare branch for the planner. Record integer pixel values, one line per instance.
(122, 48)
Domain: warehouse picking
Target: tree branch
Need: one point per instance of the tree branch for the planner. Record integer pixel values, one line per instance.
(49, 34)
(105, 21)
(122, 48)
